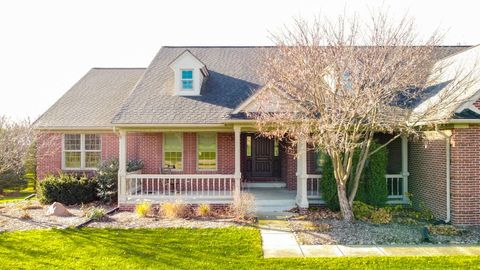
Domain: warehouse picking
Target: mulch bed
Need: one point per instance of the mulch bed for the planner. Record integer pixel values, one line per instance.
(29, 215)
(326, 227)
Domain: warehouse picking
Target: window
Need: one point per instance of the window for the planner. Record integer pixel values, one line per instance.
(249, 146)
(187, 79)
(207, 151)
(173, 150)
(81, 151)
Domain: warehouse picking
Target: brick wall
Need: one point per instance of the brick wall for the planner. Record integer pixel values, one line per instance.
(465, 175)
(142, 146)
(49, 154)
(289, 165)
(427, 180)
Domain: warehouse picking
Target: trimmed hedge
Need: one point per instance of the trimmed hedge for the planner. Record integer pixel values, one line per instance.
(372, 188)
(67, 189)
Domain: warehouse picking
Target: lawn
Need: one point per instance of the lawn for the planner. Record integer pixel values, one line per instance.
(231, 248)
(12, 195)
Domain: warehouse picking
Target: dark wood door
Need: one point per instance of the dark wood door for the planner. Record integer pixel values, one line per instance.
(262, 156)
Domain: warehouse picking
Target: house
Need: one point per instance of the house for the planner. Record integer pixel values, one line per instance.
(184, 116)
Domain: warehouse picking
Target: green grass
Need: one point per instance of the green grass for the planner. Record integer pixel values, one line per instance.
(230, 248)
(13, 195)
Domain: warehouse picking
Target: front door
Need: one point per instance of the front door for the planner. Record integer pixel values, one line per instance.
(262, 157)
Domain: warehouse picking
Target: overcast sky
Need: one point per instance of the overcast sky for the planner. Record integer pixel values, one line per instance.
(46, 46)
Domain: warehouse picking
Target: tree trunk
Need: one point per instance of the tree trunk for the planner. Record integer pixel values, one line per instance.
(345, 207)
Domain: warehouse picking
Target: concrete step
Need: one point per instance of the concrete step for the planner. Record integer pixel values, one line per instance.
(272, 184)
(274, 202)
(273, 209)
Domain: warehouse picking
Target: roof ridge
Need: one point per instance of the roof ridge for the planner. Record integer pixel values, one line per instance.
(118, 68)
(273, 46)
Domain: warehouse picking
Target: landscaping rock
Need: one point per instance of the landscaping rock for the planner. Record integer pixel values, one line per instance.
(58, 209)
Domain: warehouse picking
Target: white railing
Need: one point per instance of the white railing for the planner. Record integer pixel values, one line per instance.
(179, 186)
(395, 186)
(313, 186)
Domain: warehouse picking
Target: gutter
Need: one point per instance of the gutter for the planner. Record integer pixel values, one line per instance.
(447, 134)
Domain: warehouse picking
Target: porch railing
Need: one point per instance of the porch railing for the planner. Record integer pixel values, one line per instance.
(181, 186)
(313, 186)
(395, 186)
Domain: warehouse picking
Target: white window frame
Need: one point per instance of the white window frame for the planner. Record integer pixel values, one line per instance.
(182, 79)
(82, 152)
(216, 153)
(163, 152)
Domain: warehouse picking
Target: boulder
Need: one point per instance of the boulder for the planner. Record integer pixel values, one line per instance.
(58, 209)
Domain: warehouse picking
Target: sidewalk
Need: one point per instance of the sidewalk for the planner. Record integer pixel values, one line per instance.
(278, 241)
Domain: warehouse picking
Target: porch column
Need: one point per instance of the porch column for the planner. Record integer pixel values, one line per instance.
(301, 199)
(405, 172)
(238, 173)
(122, 165)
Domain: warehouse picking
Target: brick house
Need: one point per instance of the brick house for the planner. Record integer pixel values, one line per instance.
(184, 117)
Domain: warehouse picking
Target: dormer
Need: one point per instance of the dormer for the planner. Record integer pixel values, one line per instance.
(189, 74)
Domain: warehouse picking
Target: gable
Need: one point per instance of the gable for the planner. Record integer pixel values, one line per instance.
(266, 100)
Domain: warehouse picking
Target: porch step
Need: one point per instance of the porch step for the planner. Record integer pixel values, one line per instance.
(271, 184)
(274, 206)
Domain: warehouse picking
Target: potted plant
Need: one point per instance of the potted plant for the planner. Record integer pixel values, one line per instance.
(135, 166)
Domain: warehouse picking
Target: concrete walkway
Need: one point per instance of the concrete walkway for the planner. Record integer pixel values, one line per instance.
(279, 242)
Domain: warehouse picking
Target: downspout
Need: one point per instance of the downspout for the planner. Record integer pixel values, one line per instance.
(447, 134)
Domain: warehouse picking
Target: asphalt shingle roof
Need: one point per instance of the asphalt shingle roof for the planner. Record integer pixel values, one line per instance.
(106, 97)
(232, 79)
(93, 100)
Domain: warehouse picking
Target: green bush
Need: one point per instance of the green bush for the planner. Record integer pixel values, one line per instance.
(67, 189)
(362, 211)
(107, 178)
(372, 188)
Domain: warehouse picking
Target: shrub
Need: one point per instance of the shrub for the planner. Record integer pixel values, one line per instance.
(372, 188)
(67, 189)
(134, 165)
(362, 211)
(25, 215)
(175, 209)
(94, 213)
(143, 209)
(381, 216)
(204, 210)
(107, 178)
(448, 230)
(243, 207)
(376, 192)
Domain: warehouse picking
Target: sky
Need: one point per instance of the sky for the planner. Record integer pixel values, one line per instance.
(46, 46)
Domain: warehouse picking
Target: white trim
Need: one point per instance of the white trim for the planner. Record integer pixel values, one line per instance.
(163, 152)
(216, 153)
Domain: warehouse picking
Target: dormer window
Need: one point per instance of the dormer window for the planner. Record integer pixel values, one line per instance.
(187, 79)
(189, 74)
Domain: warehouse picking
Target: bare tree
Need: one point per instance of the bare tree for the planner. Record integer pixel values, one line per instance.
(342, 81)
(16, 139)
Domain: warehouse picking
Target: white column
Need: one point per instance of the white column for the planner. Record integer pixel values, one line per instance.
(301, 199)
(405, 172)
(238, 173)
(122, 165)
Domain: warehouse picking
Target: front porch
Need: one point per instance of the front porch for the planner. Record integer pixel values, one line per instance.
(259, 166)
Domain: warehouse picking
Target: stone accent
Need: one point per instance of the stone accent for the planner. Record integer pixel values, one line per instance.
(58, 209)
